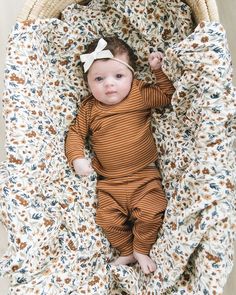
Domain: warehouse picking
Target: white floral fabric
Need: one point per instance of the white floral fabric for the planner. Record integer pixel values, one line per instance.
(55, 246)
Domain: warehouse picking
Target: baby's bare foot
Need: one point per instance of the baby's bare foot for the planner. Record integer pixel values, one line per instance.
(124, 260)
(146, 263)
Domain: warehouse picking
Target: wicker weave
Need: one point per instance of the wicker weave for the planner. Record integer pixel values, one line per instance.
(201, 9)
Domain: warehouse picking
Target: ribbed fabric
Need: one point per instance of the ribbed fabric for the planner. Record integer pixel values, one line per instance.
(120, 134)
(131, 210)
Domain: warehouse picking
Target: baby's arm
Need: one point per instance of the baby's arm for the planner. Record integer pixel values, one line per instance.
(160, 93)
(74, 145)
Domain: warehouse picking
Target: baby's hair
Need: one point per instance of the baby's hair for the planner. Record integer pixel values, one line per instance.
(116, 46)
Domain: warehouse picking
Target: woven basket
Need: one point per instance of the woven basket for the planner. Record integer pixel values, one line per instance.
(201, 9)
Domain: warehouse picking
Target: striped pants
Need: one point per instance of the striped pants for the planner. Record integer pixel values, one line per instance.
(130, 210)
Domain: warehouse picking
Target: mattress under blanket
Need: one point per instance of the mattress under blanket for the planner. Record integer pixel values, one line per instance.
(54, 244)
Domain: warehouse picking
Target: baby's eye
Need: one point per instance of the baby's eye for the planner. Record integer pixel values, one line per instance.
(119, 76)
(99, 79)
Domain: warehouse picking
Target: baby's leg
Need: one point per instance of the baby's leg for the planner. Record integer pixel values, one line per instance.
(112, 217)
(146, 263)
(149, 204)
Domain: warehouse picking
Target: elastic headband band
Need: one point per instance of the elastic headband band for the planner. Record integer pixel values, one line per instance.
(124, 63)
(100, 53)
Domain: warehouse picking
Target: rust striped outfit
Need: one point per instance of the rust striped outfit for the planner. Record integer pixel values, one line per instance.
(124, 147)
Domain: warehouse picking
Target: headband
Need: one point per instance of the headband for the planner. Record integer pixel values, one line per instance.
(100, 53)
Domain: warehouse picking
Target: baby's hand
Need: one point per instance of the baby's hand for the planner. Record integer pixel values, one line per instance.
(155, 60)
(82, 166)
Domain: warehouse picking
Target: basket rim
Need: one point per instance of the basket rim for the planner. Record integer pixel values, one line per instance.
(202, 10)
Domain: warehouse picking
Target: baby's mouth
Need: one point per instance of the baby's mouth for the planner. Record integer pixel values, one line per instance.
(110, 92)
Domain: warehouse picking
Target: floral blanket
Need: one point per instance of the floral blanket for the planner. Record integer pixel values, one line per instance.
(54, 244)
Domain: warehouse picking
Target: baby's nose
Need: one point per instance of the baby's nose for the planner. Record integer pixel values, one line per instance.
(109, 81)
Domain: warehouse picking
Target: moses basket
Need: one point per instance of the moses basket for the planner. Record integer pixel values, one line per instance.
(54, 245)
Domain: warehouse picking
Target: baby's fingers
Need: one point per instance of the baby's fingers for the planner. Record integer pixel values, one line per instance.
(152, 56)
(159, 56)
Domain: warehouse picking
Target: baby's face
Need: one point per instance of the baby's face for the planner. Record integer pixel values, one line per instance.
(110, 81)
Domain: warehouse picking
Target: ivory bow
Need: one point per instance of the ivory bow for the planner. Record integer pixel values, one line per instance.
(98, 53)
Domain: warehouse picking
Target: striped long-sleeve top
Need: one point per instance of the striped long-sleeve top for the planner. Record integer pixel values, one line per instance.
(120, 134)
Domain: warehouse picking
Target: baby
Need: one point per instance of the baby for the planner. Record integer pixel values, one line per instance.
(116, 116)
